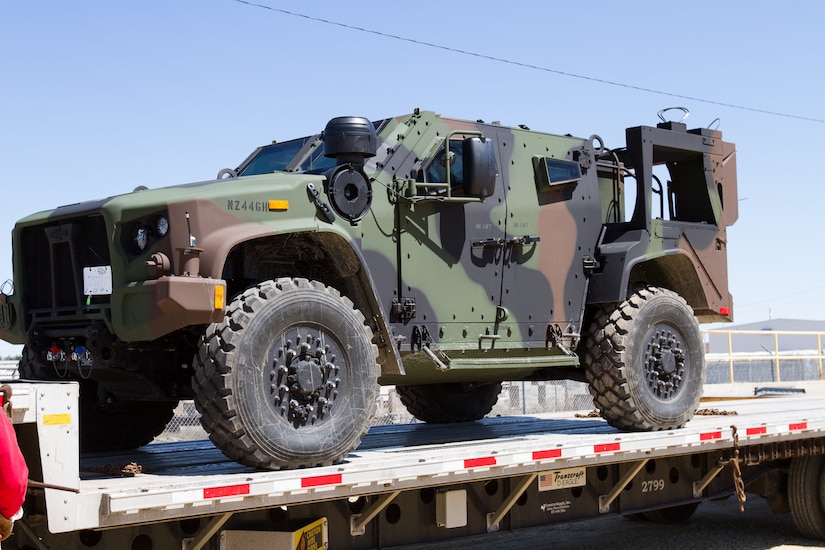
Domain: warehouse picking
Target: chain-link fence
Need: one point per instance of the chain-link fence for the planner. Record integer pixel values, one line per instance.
(772, 362)
(783, 367)
(8, 370)
(761, 356)
(515, 398)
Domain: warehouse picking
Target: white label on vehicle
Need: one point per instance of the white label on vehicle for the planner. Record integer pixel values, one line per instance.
(97, 280)
(561, 479)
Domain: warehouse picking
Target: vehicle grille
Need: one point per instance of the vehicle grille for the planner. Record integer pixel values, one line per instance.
(54, 256)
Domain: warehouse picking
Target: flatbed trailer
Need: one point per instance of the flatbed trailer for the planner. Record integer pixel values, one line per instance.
(413, 483)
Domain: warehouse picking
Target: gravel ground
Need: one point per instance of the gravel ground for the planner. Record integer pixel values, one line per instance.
(716, 525)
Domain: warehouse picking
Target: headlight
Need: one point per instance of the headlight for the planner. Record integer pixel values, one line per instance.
(162, 226)
(141, 237)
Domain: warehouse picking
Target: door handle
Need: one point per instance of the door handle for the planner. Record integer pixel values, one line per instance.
(496, 242)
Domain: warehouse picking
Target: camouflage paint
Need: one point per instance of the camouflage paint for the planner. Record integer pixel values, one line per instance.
(500, 286)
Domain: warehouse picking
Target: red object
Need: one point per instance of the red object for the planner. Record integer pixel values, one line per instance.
(549, 453)
(317, 481)
(480, 462)
(227, 491)
(14, 473)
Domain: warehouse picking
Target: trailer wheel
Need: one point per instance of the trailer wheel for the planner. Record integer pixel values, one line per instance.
(805, 481)
(116, 426)
(289, 378)
(644, 361)
(445, 403)
(672, 514)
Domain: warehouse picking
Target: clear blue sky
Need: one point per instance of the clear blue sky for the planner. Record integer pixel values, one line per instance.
(100, 97)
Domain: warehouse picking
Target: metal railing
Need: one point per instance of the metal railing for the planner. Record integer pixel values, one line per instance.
(733, 356)
(764, 356)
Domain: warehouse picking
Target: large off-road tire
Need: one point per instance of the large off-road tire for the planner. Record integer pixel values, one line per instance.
(445, 403)
(645, 362)
(120, 426)
(117, 426)
(805, 494)
(290, 378)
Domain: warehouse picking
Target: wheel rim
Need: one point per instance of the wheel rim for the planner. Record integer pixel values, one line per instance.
(305, 377)
(665, 361)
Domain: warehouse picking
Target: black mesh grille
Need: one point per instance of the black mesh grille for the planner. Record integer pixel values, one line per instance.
(65, 278)
(58, 252)
(36, 267)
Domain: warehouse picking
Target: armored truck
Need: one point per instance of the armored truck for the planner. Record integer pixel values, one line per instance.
(437, 255)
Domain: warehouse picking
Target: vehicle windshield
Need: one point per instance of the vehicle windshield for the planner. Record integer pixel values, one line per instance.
(273, 158)
(304, 154)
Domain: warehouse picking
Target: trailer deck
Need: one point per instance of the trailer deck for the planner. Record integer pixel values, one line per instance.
(593, 465)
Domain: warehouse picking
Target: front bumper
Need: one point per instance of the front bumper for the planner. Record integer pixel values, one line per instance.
(154, 308)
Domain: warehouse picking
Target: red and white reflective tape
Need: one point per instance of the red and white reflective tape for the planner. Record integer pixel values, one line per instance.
(480, 462)
(613, 447)
(246, 489)
(379, 469)
(710, 436)
(226, 491)
(321, 481)
(764, 429)
(546, 454)
(470, 463)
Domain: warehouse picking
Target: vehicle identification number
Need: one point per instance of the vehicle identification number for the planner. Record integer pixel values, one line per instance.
(653, 485)
(247, 206)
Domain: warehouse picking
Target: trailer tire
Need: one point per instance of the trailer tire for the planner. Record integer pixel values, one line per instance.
(805, 483)
(448, 403)
(644, 361)
(672, 514)
(120, 426)
(289, 379)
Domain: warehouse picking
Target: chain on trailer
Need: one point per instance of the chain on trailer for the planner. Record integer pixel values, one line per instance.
(736, 471)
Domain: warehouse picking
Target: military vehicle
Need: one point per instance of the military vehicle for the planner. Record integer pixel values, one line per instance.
(441, 256)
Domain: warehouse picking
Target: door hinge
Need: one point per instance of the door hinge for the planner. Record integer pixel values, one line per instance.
(590, 264)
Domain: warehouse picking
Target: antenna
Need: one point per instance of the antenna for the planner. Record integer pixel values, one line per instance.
(193, 242)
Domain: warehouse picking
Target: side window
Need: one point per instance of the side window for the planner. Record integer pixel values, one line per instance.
(436, 171)
(688, 191)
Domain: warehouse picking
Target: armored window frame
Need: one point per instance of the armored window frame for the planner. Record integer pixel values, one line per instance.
(435, 170)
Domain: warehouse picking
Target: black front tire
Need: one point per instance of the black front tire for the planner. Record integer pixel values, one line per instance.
(290, 378)
(644, 361)
(446, 403)
(120, 426)
(116, 426)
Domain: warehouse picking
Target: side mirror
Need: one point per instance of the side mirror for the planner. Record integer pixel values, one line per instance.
(480, 167)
